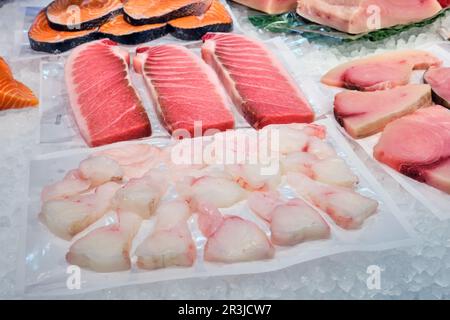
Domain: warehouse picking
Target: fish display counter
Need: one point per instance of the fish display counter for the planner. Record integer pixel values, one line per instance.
(187, 149)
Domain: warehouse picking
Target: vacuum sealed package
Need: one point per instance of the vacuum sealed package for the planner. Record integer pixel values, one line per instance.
(436, 200)
(158, 209)
(59, 130)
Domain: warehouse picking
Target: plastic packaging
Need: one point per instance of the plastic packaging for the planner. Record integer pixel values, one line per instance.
(43, 270)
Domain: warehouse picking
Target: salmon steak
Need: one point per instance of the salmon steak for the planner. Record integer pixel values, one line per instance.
(379, 72)
(118, 30)
(365, 113)
(43, 38)
(14, 94)
(255, 80)
(103, 100)
(216, 19)
(418, 146)
(270, 6)
(184, 90)
(360, 16)
(76, 15)
(439, 79)
(140, 12)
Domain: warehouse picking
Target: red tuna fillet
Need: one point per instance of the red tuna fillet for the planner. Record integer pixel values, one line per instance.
(270, 6)
(106, 107)
(255, 80)
(183, 88)
(365, 113)
(359, 16)
(439, 79)
(382, 71)
(418, 145)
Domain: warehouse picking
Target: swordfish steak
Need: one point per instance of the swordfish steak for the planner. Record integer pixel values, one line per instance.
(379, 72)
(439, 80)
(359, 16)
(104, 103)
(365, 113)
(255, 80)
(184, 90)
(418, 145)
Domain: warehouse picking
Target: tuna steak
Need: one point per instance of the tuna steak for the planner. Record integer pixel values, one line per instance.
(105, 105)
(365, 113)
(140, 12)
(439, 79)
(183, 88)
(359, 16)
(270, 6)
(381, 71)
(255, 80)
(418, 145)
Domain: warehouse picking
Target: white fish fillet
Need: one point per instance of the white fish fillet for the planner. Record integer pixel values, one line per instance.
(100, 169)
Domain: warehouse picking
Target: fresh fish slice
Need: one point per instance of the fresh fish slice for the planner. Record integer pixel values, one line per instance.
(270, 6)
(141, 196)
(365, 113)
(106, 106)
(291, 222)
(380, 67)
(439, 80)
(43, 38)
(117, 29)
(232, 239)
(76, 15)
(347, 208)
(106, 249)
(141, 12)
(252, 177)
(71, 185)
(99, 170)
(14, 94)
(258, 84)
(192, 96)
(418, 146)
(215, 19)
(333, 171)
(359, 16)
(68, 216)
(170, 243)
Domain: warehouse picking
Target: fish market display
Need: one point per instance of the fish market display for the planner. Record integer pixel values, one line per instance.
(214, 211)
(105, 105)
(291, 222)
(43, 38)
(418, 146)
(439, 79)
(184, 89)
(216, 19)
(382, 71)
(140, 12)
(270, 6)
(360, 16)
(117, 29)
(170, 243)
(365, 113)
(106, 249)
(14, 94)
(255, 80)
(70, 15)
(347, 208)
(231, 238)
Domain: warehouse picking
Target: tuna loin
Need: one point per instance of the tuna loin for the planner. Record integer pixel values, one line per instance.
(439, 79)
(358, 16)
(255, 80)
(418, 145)
(184, 89)
(106, 107)
(365, 113)
(381, 71)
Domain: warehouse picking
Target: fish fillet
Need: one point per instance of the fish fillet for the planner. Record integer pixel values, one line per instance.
(270, 6)
(439, 80)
